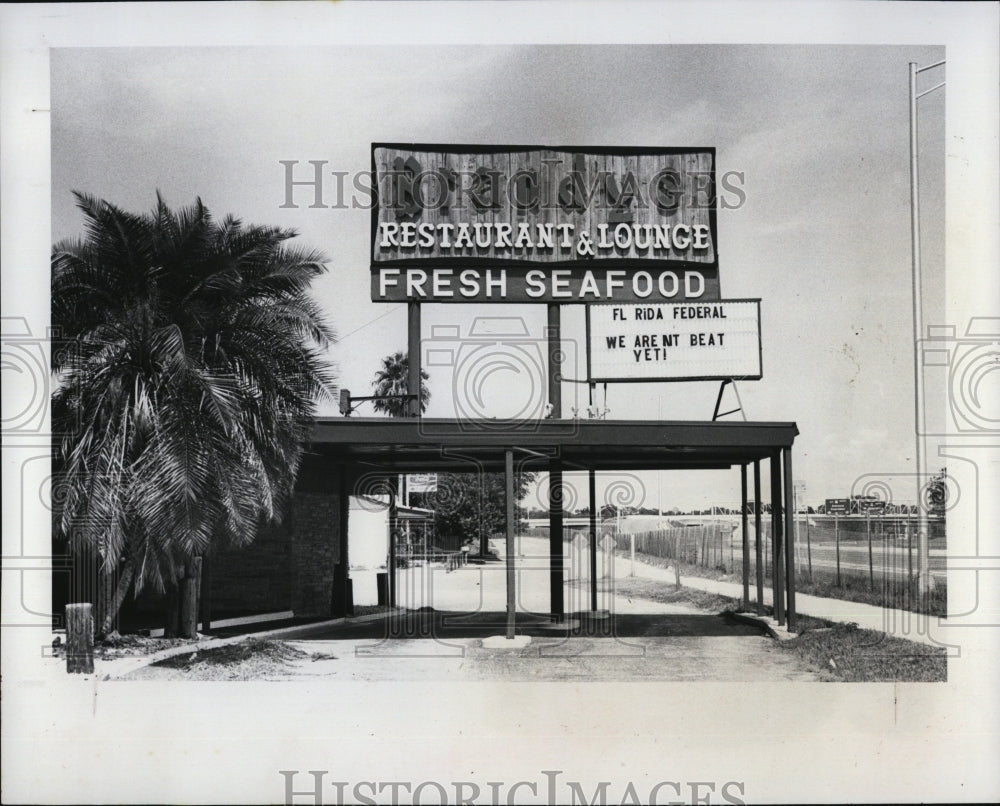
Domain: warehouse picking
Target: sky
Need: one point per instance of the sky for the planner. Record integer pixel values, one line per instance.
(819, 134)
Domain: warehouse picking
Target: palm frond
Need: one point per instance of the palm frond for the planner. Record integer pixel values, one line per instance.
(194, 362)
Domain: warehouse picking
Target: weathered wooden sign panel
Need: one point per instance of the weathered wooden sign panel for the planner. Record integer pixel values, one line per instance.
(535, 224)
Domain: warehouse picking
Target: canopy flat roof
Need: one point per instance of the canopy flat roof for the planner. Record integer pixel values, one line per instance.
(420, 445)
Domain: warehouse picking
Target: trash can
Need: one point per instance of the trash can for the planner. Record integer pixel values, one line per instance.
(382, 586)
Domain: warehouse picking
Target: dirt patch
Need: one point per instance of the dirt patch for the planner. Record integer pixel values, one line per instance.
(126, 646)
(252, 659)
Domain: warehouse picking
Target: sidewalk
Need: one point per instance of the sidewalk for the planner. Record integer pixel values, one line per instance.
(899, 623)
(930, 630)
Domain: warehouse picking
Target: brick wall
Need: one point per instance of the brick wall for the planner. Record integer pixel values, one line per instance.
(288, 567)
(315, 544)
(254, 579)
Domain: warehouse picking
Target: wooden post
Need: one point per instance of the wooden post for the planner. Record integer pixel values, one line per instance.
(871, 564)
(732, 553)
(413, 358)
(836, 537)
(909, 562)
(809, 550)
(789, 539)
(777, 574)
(511, 521)
(677, 558)
(757, 547)
(746, 538)
(189, 598)
(79, 639)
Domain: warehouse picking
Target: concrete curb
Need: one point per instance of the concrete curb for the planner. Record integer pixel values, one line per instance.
(197, 645)
(768, 624)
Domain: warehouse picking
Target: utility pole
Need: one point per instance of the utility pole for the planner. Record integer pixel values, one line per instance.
(924, 581)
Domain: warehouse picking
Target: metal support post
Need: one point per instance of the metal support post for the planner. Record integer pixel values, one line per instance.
(746, 537)
(778, 561)
(556, 539)
(511, 522)
(555, 467)
(757, 547)
(392, 546)
(592, 484)
(789, 539)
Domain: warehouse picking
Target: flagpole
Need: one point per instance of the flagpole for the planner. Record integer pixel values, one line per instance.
(924, 581)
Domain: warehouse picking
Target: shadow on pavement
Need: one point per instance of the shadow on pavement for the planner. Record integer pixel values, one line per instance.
(427, 623)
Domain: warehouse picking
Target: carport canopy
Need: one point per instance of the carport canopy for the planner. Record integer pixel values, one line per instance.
(357, 448)
(424, 445)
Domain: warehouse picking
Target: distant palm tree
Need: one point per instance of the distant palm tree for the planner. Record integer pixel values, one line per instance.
(391, 379)
(187, 387)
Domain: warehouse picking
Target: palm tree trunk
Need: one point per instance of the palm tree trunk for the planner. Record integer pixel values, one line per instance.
(189, 597)
(124, 583)
(172, 628)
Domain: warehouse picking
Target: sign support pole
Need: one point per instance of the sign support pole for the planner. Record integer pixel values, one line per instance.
(413, 358)
(554, 332)
(555, 467)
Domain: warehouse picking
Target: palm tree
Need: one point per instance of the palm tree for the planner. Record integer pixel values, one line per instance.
(391, 379)
(186, 388)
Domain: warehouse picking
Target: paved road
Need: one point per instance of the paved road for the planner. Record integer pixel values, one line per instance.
(488, 592)
(645, 640)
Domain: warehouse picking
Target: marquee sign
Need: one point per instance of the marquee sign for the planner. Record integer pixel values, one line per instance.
(537, 224)
(674, 341)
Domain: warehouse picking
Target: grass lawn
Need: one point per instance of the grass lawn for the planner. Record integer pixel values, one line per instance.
(844, 652)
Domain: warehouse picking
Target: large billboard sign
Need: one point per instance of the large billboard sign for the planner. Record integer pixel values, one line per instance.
(538, 224)
(674, 341)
